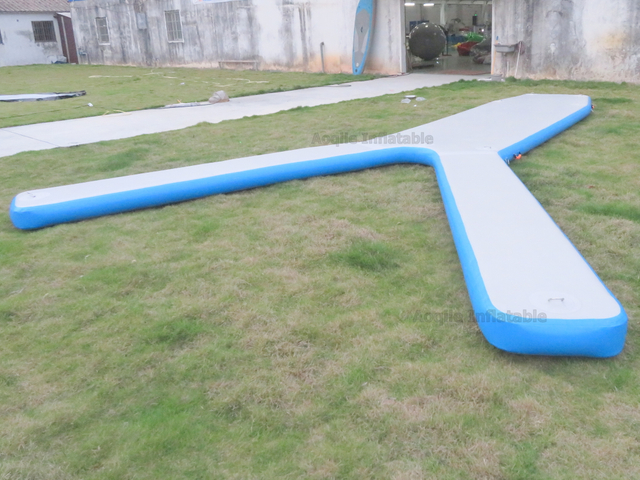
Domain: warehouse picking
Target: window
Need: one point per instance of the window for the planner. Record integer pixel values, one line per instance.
(103, 30)
(43, 32)
(141, 21)
(1, 42)
(174, 28)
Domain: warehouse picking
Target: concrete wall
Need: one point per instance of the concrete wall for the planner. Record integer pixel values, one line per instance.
(570, 39)
(276, 34)
(18, 45)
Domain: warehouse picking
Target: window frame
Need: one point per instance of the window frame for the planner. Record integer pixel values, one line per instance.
(43, 31)
(99, 31)
(171, 32)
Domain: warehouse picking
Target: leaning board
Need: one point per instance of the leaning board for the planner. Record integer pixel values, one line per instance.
(363, 31)
(531, 290)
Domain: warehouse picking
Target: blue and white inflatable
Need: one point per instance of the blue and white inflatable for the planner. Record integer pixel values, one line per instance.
(531, 290)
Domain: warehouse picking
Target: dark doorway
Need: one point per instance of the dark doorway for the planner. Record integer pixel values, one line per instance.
(466, 22)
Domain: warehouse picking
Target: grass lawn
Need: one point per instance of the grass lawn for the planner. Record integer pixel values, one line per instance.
(113, 89)
(297, 331)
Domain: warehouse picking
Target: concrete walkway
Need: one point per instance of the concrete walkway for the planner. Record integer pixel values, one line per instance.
(68, 133)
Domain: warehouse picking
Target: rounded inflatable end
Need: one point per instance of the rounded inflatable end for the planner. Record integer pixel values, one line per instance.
(17, 216)
(599, 338)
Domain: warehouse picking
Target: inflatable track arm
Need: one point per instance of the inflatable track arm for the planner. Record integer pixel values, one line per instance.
(531, 290)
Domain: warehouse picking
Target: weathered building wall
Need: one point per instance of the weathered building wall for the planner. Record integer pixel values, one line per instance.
(18, 46)
(275, 34)
(569, 39)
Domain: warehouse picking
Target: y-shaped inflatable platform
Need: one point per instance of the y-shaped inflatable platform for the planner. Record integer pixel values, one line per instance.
(531, 290)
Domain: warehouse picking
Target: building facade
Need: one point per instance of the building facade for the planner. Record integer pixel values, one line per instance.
(298, 35)
(557, 39)
(35, 31)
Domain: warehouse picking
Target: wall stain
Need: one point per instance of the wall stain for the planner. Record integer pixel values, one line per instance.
(567, 39)
(304, 13)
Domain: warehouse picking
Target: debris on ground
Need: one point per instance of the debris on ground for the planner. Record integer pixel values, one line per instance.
(219, 97)
(187, 104)
(37, 97)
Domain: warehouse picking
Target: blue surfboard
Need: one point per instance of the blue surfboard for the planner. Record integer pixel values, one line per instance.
(362, 34)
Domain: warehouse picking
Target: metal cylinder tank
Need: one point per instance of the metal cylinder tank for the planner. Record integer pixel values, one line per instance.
(427, 41)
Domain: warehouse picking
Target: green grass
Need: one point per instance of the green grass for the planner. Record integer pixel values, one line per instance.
(614, 209)
(112, 89)
(367, 255)
(314, 329)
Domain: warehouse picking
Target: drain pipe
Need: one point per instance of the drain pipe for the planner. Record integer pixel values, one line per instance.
(322, 55)
(519, 45)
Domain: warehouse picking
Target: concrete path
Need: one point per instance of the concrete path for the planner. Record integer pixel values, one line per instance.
(68, 133)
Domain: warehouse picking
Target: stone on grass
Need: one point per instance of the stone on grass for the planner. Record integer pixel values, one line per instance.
(219, 97)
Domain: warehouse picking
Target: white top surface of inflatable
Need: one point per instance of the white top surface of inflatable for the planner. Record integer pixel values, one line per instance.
(488, 128)
(528, 265)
